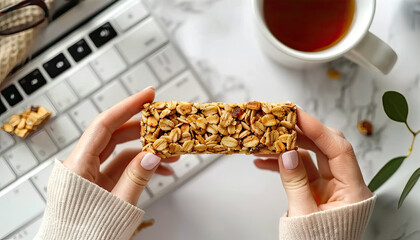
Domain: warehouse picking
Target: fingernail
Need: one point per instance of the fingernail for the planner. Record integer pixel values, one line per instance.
(290, 160)
(150, 87)
(299, 107)
(150, 161)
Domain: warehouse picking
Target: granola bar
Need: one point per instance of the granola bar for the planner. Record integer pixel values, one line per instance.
(175, 128)
(23, 124)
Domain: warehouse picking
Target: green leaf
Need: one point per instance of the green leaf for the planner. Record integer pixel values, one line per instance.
(395, 106)
(385, 173)
(410, 184)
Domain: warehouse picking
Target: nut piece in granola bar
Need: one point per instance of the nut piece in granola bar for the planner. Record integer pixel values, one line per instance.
(175, 128)
(25, 123)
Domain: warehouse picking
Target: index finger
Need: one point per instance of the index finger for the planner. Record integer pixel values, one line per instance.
(339, 152)
(116, 116)
(98, 134)
(331, 144)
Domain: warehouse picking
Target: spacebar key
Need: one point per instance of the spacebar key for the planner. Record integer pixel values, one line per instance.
(19, 206)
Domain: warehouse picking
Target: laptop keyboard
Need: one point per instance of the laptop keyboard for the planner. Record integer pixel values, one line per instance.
(118, 53)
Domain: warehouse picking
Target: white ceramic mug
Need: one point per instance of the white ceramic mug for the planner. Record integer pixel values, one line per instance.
(359, 45)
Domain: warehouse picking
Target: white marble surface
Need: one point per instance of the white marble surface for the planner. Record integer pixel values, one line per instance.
(232, 199)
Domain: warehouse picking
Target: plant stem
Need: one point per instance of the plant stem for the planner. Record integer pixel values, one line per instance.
(411, 146)
(411, 130)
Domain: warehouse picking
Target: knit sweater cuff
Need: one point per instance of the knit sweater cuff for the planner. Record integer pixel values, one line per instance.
(347, 222)
(79, 209)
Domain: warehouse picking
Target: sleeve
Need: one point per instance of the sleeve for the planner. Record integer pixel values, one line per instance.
(347, 222)
(79, 209)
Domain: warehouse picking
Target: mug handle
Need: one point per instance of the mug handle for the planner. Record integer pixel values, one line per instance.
(373, 53)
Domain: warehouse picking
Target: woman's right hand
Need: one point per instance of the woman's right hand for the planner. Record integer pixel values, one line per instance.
(336, 182)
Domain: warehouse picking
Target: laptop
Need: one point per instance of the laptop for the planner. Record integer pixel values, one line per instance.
(91, 56)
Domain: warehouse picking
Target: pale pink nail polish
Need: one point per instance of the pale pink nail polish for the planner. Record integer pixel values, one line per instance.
(299, 107)
(150, 161)
(290, 160)
(150, 87)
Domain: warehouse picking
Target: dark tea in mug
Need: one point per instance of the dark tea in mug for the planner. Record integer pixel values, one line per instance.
(309, 25)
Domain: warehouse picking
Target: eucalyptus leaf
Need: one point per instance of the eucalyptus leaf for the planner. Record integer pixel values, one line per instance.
(385, 173)
(410, 184)
(395, 106)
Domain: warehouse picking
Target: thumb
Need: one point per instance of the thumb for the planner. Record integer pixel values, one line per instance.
(296, 184)
(136, 176)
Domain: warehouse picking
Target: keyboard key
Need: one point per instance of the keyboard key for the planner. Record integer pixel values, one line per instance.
(6, 118)
(62, 96)
(32, 82)
(83, 114)
(6, 174)
(12, 95)
(167, 63)
(131, 15)
(84, 81)
(158, 183)
(63, 131)
(142, 41)
(79, 50)
(102, 35)
(28, 232)
(185, 165)
(57, 65)
(184, 88)
(44, 102)
(144, 197)
(138, 78)
(18, 207)
(110, 95)
(65, 153)
(42, 145)
(109, 65)
(20, 159)
(3, 108)
(6, 141)
(40, 179)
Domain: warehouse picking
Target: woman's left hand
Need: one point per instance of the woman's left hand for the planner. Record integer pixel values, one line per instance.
(129, 172)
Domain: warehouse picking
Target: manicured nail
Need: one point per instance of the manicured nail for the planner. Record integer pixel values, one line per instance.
(299, 107)
(290, 160)
(150, 161)
(150, 87)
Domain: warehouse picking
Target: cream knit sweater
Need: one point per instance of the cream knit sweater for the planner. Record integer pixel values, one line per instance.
(79, 209)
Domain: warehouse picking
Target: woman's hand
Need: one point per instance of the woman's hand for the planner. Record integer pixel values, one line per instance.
(129, 172)
(336, 182)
